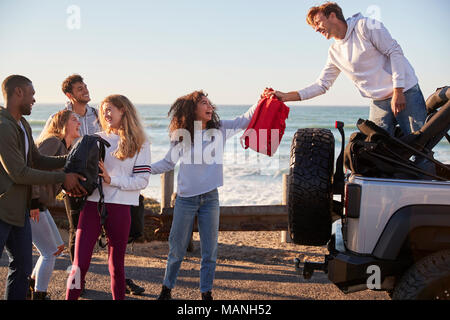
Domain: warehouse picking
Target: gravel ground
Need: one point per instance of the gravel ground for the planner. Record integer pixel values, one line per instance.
(250, 266)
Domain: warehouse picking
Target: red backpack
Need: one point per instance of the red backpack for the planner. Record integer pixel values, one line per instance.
(266, 127)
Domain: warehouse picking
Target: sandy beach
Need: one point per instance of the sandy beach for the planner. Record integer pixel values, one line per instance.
(250, 266)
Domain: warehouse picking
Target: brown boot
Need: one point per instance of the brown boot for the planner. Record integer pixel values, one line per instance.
(40, 295)
(30, 290)
(207, 295)
(165, 294)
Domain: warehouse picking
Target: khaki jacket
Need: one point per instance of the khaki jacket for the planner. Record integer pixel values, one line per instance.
(17, 175)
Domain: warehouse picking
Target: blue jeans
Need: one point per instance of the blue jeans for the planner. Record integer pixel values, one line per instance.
(46, 239)
(411, 119)
(17, 241)
(206, 207)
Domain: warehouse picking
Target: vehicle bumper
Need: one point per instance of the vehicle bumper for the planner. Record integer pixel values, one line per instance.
(351, 272)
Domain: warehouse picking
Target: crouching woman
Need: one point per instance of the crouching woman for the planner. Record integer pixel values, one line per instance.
(125, 171)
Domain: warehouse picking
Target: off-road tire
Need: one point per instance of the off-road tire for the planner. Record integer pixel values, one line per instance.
(428, 279)
(310, 186)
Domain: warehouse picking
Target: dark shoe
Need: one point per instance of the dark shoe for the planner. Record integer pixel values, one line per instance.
(207, 295)
(83, 289)
(40, 295)
(165, 294)
(30, 291)
(130, 286)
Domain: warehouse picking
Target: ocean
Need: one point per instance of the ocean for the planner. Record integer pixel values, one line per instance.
(249, 178)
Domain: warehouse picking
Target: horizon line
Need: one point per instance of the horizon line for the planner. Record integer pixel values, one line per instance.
(217, 104)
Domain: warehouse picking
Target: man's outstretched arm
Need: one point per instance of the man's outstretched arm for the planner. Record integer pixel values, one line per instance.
(326, 79)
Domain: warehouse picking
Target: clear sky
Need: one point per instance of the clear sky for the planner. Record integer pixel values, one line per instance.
(155, 51)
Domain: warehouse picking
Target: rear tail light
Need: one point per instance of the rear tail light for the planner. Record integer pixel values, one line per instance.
(352, 200)
(344, 213)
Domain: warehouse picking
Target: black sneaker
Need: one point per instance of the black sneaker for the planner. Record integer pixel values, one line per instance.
(40, 295)
(165, 294)
(207, 295)
(30, 291)
(83, 289)
(130, 286)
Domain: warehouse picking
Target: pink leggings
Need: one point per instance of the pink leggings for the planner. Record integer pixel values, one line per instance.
(117, 229)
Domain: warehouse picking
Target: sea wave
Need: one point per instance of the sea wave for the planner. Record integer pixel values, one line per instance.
(37, 122)
(155, 125)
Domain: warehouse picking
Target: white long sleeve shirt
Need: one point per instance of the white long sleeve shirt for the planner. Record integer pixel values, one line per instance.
(201, 163)
(369, 57)
(128, 176)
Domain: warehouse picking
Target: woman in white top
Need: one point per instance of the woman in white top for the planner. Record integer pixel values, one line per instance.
(125, 171)
(198, 139)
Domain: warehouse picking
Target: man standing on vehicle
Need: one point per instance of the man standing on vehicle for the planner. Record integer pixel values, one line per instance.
(76, 90)
(365, 52)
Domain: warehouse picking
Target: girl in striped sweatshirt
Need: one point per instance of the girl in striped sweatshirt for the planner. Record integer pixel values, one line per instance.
(125, 171)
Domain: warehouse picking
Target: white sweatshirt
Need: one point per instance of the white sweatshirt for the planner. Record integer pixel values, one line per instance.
(369, 57)
(201, 165)
(128, 176)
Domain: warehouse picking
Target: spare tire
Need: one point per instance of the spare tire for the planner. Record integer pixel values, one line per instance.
(310, 186)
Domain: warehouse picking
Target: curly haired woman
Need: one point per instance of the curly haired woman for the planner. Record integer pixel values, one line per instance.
(198, 138)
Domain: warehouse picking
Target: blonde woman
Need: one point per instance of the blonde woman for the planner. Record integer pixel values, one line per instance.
(125, 171)
(55, 140)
